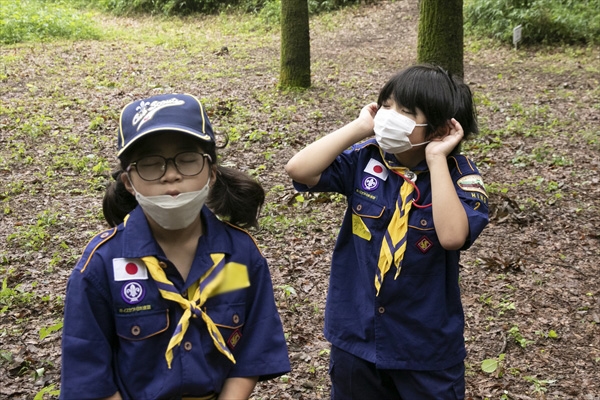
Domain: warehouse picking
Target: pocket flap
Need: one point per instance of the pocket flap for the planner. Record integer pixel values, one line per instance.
(229, 316)
(141, 326)
(367, 209)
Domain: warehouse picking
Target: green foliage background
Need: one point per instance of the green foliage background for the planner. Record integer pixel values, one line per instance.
(38, 20)
(184, 7)
(543, 21)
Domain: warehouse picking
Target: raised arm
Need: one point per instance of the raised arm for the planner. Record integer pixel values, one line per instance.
(308, 164)
(449, 216)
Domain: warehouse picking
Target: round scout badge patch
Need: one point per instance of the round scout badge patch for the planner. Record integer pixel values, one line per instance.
(133, 292)
(370, 183)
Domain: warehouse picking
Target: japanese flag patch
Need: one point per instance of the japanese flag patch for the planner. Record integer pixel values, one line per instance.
(377, 169)
(127, 269)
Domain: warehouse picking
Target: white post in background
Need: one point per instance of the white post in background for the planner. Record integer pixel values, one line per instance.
(517, 30)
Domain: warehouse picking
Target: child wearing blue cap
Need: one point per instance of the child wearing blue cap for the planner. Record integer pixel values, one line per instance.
(393, 315)
(175, 301)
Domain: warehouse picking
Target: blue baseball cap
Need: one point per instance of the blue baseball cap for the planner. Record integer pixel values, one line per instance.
(166, 112)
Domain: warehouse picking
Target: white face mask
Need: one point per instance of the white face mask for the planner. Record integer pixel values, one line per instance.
(174, 212)
(392, 130)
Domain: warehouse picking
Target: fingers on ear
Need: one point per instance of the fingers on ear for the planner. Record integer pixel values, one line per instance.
(443, 130)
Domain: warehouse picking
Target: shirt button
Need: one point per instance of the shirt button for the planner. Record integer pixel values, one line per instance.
(187, 346)
(162, 264)
(381, 310)
(423, 222)
(236, 318)
(359, 207)
(136, 330)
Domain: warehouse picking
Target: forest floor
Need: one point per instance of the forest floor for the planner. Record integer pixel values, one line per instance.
(530, 284)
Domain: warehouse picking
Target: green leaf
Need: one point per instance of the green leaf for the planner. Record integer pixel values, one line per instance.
(47, 331)
(490, 365)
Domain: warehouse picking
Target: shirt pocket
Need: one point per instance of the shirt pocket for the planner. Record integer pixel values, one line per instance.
(230, 320)
(141, 352)
(367, 217)
(141, 326)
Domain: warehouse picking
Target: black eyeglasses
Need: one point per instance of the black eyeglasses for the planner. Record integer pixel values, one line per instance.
(152, 168)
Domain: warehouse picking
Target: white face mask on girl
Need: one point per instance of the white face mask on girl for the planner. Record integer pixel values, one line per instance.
(392, 130)
(173, 212)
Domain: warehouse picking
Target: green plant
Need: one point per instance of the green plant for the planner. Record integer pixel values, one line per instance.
(551, 334)
(324, 352)
(49, 390)
(10, 297)
(270, 13)
(543, 21)
(28, 20)
(505, 305)
(518, 338)
(485, 299)
(6, 356)
(539, 385)
(288, 291)
(45, 331)
(491, 365)
(96, 123)
(37, 235)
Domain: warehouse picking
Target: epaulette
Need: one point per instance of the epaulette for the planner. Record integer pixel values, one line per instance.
(239, 228)
(464, 165)
(366, 143)
(92, 246)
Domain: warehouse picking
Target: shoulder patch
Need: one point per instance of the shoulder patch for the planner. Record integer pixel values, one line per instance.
(93, 245)
(472, 183)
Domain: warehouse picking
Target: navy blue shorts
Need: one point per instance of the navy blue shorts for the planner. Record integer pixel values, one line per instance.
(353, 378)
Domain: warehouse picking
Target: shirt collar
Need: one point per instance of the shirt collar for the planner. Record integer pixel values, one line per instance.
(139, 242)
(390, 160)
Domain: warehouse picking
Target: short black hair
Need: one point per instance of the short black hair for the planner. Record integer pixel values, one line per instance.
(433, 90)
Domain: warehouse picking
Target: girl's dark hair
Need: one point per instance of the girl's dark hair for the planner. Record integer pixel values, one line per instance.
(117, 201)
(235, 196)
(437, 93)
(465, 111)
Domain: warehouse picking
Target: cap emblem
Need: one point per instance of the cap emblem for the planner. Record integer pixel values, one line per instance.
(146, 110)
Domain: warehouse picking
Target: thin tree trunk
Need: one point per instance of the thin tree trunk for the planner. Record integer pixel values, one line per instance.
(441, 34)
(295, 45)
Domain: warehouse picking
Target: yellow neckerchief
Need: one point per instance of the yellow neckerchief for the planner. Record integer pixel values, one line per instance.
(393, 244)
(220, 278)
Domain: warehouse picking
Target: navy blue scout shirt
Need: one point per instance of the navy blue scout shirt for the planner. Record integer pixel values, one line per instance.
(417, 320)
(117, 325)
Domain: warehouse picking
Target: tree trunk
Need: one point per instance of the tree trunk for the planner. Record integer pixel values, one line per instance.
(440, 36)
(295, 45)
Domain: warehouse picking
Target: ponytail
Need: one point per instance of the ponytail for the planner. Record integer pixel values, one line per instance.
(236, 197)
(117, 201)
